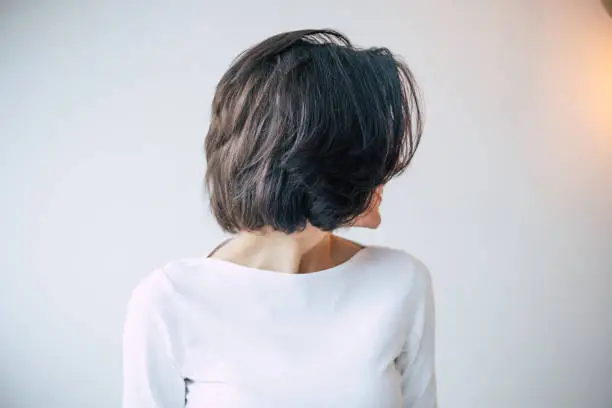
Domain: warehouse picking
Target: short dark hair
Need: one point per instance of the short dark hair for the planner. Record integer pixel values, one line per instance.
(304, 127)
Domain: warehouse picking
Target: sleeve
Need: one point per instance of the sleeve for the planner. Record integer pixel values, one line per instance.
(151, 377)
(416, 362)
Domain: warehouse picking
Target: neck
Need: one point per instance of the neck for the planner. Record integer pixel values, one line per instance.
(306, 251)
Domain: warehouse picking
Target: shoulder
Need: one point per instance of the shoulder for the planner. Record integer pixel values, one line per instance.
(410, 282)
(158, 291)
(151, 294)
(401, 265)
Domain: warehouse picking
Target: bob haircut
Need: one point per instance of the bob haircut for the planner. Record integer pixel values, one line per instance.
(304, 127)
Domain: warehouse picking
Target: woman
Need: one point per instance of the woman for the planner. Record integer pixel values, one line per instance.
(305, 131)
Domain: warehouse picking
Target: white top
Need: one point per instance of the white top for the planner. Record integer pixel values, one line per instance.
(208, 333)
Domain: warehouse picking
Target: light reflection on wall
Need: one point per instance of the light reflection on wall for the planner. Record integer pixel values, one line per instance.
(598, 91)
(571, 158)
(587, 66)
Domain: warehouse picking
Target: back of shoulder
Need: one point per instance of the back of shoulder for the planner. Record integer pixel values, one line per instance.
(165, 286)
(403, 265)
(162, 285)
(152, 293)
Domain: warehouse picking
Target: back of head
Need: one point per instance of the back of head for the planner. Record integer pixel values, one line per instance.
(304, 127)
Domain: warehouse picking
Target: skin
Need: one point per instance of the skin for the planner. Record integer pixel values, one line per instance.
(308, 251)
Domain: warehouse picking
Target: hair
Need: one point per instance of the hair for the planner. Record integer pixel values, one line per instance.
(304, 127)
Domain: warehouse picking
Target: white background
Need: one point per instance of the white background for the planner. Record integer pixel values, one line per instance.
(103, 109)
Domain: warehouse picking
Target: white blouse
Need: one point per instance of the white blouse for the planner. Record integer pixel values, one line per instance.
(206, 333)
